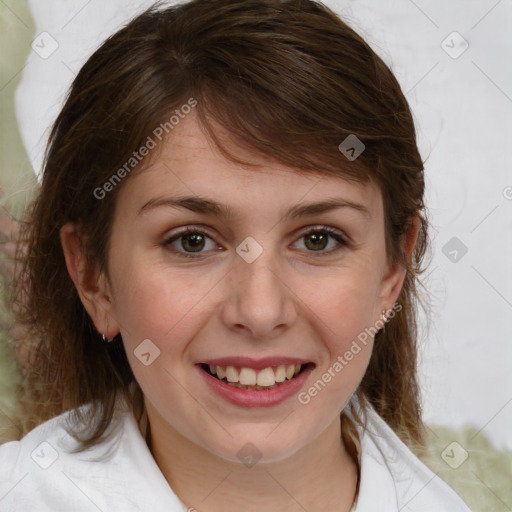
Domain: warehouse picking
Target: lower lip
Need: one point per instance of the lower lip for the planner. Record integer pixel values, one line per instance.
(253, 397)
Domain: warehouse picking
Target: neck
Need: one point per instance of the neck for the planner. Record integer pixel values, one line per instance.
(319, 477)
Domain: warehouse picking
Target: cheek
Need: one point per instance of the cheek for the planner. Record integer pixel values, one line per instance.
(345, 302)
(165, 308)
(344, 320)
(157, 303)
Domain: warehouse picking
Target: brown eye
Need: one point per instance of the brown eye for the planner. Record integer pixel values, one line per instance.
(317, 240)
(193, 242)
(189, 241)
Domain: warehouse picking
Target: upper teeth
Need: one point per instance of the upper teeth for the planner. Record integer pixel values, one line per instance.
(250, 377)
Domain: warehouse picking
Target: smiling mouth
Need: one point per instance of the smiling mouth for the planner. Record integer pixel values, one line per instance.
(249, 378)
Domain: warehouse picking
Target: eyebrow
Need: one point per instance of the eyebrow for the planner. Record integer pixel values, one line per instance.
(207, 206)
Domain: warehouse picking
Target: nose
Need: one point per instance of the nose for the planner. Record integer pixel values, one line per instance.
(259, 302)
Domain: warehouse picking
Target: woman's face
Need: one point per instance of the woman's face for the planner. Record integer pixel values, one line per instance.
(248, 289)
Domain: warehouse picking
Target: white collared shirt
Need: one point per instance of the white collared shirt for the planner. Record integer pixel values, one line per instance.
(38, 473)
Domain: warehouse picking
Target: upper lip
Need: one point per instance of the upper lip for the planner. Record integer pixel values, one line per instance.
(257, 364)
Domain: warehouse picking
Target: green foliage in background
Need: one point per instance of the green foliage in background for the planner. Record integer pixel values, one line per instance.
(484, 479)
(17, 178)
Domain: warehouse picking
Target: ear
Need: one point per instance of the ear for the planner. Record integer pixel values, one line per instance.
(393, 280)
(91, 284)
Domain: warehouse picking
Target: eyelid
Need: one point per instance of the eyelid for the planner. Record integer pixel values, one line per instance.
(341, 238)
(195, 229)
(323, 227)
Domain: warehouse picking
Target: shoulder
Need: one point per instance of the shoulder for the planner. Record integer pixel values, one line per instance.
(37, 446)
(393, 477)
(42, 456)
(43, 472)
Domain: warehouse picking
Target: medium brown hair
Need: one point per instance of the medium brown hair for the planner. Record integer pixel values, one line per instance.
(288, 80)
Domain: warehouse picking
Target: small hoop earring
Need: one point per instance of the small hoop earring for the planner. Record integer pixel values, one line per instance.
(384, 319)
(104, 338)
(106, 341)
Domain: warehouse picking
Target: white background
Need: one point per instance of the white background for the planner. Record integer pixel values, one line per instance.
(463, 109)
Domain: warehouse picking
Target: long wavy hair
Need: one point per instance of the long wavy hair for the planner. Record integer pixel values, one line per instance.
(287, 79)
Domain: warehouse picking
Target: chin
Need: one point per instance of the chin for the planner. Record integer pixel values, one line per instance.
(257, 445)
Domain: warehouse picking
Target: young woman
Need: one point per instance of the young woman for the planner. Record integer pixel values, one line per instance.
(220, 273)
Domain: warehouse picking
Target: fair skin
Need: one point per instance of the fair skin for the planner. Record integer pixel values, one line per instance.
(289, 302)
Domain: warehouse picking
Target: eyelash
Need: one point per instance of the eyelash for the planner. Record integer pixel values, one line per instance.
(196, 231)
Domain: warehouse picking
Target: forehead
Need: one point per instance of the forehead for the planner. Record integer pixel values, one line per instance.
(189, 163)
